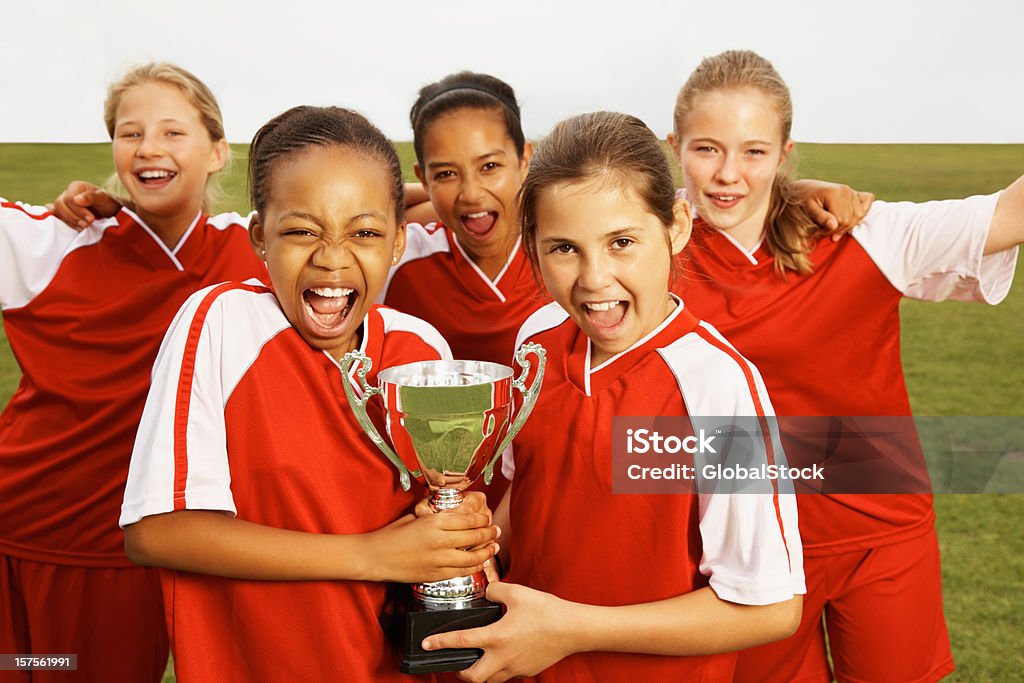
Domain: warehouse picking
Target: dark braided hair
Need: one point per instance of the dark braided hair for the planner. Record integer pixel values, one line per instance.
(465, 90)
(302, 127)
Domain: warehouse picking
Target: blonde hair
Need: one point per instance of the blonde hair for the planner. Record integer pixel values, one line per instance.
(199, 96)
(789, 231)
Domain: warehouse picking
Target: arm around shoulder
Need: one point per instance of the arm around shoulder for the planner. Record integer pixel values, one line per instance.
(418, 207)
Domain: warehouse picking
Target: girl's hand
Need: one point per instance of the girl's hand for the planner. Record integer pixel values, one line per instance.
(535, 633)
(83, 203)
(431, 548)
(473, 501)
(834, 207)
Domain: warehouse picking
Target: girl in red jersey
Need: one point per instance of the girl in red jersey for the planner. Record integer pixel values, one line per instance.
(467, 274)
(251, 478)
(758, 271)
(84, 311)
(626, 587)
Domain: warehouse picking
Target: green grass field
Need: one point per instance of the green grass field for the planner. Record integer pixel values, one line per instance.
(960, 359)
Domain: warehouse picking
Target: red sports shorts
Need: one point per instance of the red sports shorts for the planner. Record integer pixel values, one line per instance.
(882, 610)
(112, 618)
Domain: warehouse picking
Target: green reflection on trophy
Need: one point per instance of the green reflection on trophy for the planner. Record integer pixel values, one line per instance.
(449, 423)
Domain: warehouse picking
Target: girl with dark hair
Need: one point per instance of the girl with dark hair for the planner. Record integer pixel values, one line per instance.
(626, 587)
(467, 274)
(251, 479)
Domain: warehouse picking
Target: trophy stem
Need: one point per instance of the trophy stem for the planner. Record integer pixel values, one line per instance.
(459, 591)
(445, 499)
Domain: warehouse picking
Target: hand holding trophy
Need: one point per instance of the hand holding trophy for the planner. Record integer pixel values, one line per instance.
(449, 422)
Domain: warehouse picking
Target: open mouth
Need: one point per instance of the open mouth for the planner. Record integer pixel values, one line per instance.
(480, 223)
(605, 314)
(722, 200)
(155, 177)
(328, 308)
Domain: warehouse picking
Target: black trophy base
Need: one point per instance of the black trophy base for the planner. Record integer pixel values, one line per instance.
(416, 621)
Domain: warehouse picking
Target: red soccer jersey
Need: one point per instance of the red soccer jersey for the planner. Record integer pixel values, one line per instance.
(572, 537)
(85, 312)
(479, 317)
(247, 418)
(828, 343)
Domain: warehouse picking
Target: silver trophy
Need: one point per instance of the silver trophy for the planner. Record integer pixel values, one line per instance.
(449, 422)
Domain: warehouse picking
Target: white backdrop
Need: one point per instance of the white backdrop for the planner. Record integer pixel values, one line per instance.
(864, 71)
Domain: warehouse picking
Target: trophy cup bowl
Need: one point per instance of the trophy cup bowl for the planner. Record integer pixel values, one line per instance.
(449, 422)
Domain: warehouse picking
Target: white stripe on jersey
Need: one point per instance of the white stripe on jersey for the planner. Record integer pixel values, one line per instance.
(701, 359)
(223, 221)
(396, 321)
(639, 342)
(545, 318)
(492, 284)
(501, 273)
(934, 250)
(32, 247)
(745, 554)
(421, 241)
(231, 338)
(172, 254)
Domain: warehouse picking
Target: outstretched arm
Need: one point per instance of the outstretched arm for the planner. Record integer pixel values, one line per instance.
(540, 629)
(1007, 229)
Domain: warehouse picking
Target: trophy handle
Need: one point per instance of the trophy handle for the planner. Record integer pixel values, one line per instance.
(359, 408)
(529, 398)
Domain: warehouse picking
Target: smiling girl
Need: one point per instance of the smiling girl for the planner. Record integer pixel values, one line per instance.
(85, 312)
(467, 274)
(626, 587)
(251, 478)
(821, 320)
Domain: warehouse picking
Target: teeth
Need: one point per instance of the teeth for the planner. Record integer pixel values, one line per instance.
(725, 197)
(332, 291)
(603, 306)
(153, 175)
(479, 214)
